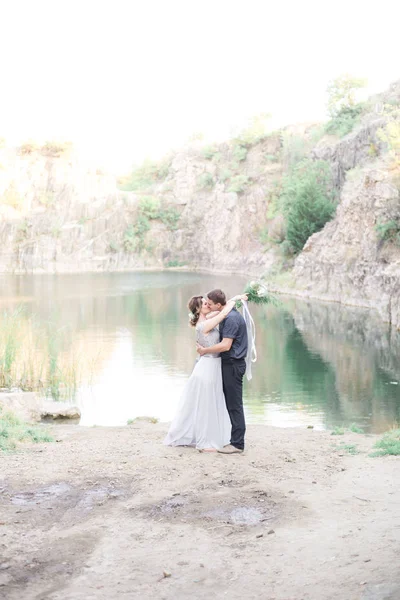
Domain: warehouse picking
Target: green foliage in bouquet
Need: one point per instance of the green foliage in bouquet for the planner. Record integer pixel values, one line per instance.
(257, 293)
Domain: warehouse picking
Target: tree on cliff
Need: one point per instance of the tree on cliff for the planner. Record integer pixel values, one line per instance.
(307, 201)
(343, 108)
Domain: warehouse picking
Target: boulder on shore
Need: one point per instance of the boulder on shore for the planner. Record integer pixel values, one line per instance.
(54, 411)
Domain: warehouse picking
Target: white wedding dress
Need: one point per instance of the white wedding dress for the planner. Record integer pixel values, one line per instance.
(202, 419)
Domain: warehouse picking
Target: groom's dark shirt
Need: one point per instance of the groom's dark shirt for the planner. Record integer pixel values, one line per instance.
(234, 327)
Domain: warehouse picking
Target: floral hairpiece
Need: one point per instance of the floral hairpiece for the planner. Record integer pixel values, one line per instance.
(191, 316)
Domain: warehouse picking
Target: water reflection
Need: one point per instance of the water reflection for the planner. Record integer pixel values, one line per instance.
(319, 364)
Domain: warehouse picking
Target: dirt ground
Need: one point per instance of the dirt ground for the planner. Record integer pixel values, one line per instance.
(110, 513)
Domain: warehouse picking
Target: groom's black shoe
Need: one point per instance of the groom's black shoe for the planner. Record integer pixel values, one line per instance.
(230, 450)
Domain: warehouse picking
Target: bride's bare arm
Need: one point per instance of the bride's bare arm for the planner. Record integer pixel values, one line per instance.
(220, 316)
(212, 314)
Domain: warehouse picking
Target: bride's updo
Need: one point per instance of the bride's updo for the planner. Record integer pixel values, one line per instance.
(194, 305)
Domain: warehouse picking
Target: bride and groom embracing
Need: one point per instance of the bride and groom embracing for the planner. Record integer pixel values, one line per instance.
(210, 414)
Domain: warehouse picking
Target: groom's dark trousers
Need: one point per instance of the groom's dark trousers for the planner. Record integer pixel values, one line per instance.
(233, 370)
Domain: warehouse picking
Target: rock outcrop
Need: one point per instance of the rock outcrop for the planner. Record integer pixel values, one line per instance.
(346, 261)
(56, 216)
(349, 261)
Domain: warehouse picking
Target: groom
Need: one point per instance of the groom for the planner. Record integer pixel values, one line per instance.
(233, 350)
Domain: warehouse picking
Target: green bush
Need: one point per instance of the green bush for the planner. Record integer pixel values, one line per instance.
(255, 132)
(389, 444)
(344, 121)
(134, 236)
(170, 217)
(263, 236)
(174, 263)
(343, 110)
(238, 183)
(210, 152)
(12, 431)
(146, 175)
(113, 246)
(225, 174)
(272, 158)
(389, 231)
(294, 148)
(150, 209)
(206, 181)
(355, 428)
(239, 152)
(390, 135)
(338, 431)
(306, 201)
(149, 206)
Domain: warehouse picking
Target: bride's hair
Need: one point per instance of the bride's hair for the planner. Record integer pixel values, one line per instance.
(194, 305)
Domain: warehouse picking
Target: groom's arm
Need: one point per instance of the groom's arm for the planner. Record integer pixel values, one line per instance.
(223, 346)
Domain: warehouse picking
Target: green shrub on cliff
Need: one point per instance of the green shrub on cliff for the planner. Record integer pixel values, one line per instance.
(238, 183)
(345, 120)
(389, 231)
(239, 152)
(205, 181)
(170, 217)
(211, 153)
(255, 132)
(145, 175)
(390, 135)
(149, 207)
(343, 110)
(306, 201)
(134, 236)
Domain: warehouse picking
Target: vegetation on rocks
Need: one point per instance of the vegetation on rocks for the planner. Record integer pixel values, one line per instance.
(307, 201)
(343, 109)
(238, 183)
(144, 176)
(205, 181)
(50, 149)
(150, 208)
(390, 135)
(389, 231)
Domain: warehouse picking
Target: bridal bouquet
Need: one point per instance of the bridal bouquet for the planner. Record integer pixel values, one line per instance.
(258, 294)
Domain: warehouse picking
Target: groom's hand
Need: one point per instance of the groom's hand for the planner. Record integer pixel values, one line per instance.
(200, 349)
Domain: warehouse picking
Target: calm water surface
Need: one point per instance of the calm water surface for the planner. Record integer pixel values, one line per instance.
(318, 364)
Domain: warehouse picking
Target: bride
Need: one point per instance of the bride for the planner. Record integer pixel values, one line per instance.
(202, 419)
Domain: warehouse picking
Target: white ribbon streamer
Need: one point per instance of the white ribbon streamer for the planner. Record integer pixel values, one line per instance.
(251, 356)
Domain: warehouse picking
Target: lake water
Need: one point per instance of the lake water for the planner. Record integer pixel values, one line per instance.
(318, 364)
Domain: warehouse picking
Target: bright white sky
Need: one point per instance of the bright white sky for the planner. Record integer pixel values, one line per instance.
(127, 79)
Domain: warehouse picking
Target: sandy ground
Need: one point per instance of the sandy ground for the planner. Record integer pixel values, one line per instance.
(111, 513)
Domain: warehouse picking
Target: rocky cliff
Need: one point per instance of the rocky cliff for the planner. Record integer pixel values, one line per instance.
(57, 217)
(214, 208)
(355, 259)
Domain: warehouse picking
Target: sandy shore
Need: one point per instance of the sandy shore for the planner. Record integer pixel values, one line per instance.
(111, 513)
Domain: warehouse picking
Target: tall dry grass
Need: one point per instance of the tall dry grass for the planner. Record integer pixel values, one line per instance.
(37, 356)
